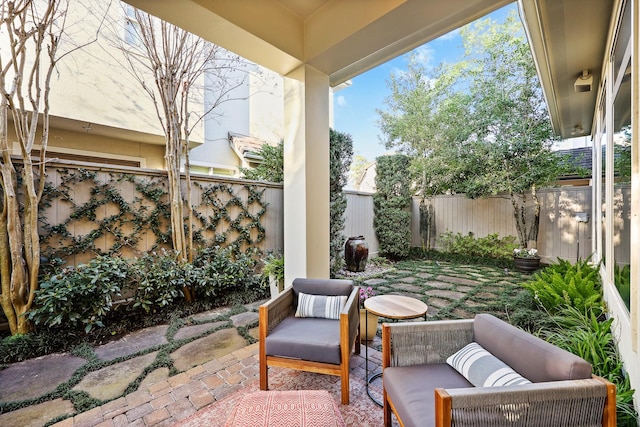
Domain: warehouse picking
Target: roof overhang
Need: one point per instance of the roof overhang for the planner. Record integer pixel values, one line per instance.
(566, 38)
(340, 38)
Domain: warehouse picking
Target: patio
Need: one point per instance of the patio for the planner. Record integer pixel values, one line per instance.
(214, 366)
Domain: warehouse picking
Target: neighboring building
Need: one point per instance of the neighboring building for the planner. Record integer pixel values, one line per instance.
(366, 181)
(238, 128)
(101, 114)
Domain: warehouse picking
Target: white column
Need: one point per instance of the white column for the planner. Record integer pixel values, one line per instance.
(306, 174)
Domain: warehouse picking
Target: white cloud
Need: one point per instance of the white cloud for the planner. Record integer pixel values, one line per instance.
(341, 101)
(423, 55)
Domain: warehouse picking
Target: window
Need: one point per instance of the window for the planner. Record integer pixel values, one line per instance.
(131, 27)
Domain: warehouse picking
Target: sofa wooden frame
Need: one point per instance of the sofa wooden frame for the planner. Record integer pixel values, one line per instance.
(459, 333)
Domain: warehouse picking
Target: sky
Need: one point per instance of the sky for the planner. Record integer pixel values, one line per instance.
(355, 106)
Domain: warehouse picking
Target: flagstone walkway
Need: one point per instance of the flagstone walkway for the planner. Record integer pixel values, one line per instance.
(163, 374)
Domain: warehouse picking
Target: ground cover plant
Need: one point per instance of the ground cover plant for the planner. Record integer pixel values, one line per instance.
(571, 297)
(109, 296)
(491, 246)
(452, 290)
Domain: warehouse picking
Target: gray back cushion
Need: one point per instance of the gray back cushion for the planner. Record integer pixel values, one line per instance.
(532, 357)
(321, 287)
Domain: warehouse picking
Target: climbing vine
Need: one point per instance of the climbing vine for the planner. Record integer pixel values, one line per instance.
(88, 213)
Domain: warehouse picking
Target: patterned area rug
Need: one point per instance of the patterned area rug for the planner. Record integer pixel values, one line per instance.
(286, 408)
(361, 411)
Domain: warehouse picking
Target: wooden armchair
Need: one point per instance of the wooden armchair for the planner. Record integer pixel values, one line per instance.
(309, 343)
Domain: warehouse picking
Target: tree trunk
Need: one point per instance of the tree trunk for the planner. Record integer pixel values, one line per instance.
(16, 284)
(519, 216)
(535, 226)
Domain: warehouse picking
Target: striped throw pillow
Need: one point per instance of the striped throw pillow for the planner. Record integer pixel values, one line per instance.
(322, 306)
(483, 369)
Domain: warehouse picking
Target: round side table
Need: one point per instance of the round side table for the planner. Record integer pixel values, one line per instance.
(394, 307)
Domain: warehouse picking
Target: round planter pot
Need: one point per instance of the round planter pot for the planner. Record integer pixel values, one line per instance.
(368, 330)
(356, 252)
(526, 265)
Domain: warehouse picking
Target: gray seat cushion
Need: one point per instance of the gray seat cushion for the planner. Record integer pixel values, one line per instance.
(313, 339)
(411, 389)
(530, 356)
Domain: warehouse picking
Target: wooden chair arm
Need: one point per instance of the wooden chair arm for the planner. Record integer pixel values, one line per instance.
(350, 316)
(274, 311)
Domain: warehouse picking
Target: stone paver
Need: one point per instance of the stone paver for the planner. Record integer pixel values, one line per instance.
(211, 314)
(244, 319)
(204, 349)
(439, 285)
(154, 377)
(133, 343)
(458, 280)
(374, 282)
(192, 331)
(37, 415)
(453, 295)
(111, 381)
(415, 289)
(35, 377)
(219, 363)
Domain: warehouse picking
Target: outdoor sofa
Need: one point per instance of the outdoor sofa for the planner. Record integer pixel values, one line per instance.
(422, 389)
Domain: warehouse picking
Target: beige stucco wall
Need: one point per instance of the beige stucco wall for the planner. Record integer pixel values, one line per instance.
(150, 156)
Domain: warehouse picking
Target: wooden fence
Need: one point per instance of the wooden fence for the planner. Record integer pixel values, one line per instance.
(560, 234)
(93, 209)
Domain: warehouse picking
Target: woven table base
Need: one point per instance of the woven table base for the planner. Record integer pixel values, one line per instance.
(292, 408)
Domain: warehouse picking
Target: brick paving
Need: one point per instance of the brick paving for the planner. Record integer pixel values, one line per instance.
(169, 401)
(163, 400)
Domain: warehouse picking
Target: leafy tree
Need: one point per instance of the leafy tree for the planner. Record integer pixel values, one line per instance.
(272, 167)
(391, 206)
(32, 33)
(479, 126)
(170, 65)
(340, 154)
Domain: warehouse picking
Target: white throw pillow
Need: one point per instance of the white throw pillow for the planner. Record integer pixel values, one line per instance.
(483, 369)
(322, 306)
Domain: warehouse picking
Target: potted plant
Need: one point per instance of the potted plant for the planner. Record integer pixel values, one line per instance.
(273, 272)
(368, 324)
(526, 260)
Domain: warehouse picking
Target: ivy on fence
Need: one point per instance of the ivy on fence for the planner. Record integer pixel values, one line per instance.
(118, 213)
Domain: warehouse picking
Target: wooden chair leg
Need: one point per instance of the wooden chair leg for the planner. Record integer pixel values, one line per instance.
(345, 391)
(264, 380)
(387, 410)
(264, 369)
(344, 383)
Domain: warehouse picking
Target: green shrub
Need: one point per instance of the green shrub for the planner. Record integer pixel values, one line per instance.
(565, 284)
(391, 206)
(221, 270)
(491, 246)
(340, 154)
(159, 280)
(81, 295)
(271, 168)
(16, 348)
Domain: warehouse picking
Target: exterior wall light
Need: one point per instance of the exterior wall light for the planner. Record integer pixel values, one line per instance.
(584, 82)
